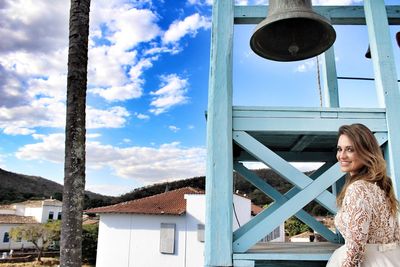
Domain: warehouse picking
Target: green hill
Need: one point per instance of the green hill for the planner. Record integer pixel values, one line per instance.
(16, 187)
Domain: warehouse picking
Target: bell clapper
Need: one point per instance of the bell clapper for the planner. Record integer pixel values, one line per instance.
(293, 49)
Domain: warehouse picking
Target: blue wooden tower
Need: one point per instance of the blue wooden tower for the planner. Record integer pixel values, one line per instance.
(277, 136)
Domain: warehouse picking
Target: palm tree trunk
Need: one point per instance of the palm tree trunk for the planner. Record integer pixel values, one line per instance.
(75, 131)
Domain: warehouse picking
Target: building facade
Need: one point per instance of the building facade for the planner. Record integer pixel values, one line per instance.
(27, 212)
(161, 230)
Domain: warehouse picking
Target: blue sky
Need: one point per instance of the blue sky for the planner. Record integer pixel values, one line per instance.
(147, 86)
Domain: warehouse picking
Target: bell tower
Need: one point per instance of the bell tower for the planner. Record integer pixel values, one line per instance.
(276, 136)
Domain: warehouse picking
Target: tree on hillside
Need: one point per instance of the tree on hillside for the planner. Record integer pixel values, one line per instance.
(41, 235)
(75, 131)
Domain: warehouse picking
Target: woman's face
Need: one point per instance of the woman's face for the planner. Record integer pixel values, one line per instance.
(346, 155)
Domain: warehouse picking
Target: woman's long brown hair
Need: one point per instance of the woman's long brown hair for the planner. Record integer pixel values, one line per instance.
(374, 170)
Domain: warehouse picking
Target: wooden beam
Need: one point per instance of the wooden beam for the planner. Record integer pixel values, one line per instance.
(303, 142)
(282, 167)
(279, 199)
(385, 81)
(290, 207)
(293, 156)
(339, 15)
(313, 126)
(219, 180)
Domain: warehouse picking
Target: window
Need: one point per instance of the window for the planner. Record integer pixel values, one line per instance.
(59, 216)
(273, 235)
(167, 238)
(51, 215)
(200, 232)
(6, 237)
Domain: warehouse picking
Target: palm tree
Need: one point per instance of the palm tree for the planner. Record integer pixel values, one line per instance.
(75, 131)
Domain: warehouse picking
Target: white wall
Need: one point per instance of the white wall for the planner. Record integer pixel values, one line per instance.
(195, 214)
(36, 212)
(19, 209)
(140, 246)
(7, 211)
(243, 211)
(12, 244)
(46, 210)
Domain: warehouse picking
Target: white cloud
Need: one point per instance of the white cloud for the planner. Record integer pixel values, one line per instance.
(172, 92)
(12, 130)
(189, 25)
(127, 26)
(335, 2)
(143, 164)
(200, 2)
(301, 166)
(306, 66)
(50, 113)
(33, 25)
(174, 128)
(114, 117)
(109, 73)
(119, 93)
(92, 135)
(51, 148)
(241, 2)
(141, 116)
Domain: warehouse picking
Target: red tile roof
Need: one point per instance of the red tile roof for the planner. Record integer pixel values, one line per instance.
(16, 219)
(7, 207)
(168, 203)
(255, 209)
(41, 203)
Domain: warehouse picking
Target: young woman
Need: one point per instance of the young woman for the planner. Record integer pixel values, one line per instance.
(367, 207)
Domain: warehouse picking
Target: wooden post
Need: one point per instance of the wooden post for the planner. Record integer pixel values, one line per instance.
(219, 181)
(385, 80)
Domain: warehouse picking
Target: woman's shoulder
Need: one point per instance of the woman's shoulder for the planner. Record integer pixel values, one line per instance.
(360, 184)
(361, 187)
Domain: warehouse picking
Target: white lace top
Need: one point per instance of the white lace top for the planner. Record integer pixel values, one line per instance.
(365, 218)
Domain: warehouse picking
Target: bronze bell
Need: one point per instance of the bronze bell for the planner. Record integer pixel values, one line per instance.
(292, 31)
(368, 53)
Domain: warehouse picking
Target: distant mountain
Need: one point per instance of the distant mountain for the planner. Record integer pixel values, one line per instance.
(240, 185)
(16, 187)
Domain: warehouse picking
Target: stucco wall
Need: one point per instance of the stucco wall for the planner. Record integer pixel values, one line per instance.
(35, 212)
(140, 246)
(11, 244)
(134, 241)
(47, 209)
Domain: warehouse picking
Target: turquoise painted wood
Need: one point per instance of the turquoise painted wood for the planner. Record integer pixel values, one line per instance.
(282, 167)
(253, 128)
(385, 81)
(284, 256)
(219, 184)
(279, 200)
(339, 15)
(243, 263)
(290, 207)
(331, 93)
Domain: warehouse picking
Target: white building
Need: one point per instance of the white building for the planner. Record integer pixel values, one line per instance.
(28, 212)
(162, 230)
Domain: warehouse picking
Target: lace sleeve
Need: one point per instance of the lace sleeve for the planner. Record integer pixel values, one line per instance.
(357, 212)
